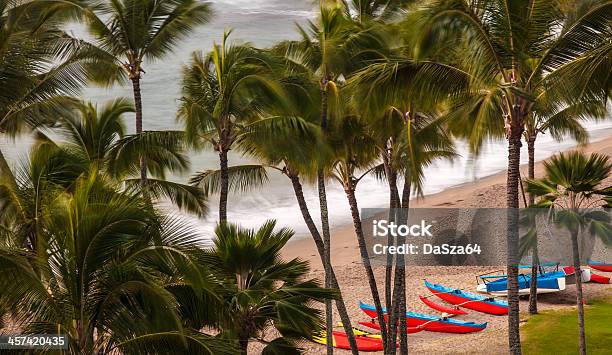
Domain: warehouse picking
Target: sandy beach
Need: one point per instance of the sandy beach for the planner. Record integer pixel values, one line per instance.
(485, 192)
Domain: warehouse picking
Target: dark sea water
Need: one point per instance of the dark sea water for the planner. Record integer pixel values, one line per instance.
(263, 23)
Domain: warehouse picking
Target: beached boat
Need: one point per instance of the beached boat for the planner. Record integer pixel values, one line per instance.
(431, 323)
(587, 276)
(547, 282)
(598, 265)
(601, 279)
(444, 309)
(340, 341)
(570, 275)
(469, 300)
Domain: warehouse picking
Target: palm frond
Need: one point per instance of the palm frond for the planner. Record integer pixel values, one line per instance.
(241, 178)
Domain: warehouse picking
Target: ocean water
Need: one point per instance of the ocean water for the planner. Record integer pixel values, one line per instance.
(264, 22)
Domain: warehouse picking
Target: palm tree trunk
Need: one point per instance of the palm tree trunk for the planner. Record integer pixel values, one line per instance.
(400, 269)
(224, 185)
(579, 296)
(329, 322)
(533, 287)
(365, 259)
(325, 222)
(138, 104)
(393, 204)
(391, 286)
(512, 204)
(314, 232)
(244, 345)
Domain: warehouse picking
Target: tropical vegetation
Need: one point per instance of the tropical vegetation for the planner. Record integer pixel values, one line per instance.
(88, 247)
(571, 189)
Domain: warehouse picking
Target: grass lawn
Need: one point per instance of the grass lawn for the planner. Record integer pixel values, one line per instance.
(557, 331)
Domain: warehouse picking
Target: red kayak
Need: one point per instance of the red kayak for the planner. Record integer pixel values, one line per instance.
(600, 279)
(600, 266)
(431, 323)
(437, 307)
(340, 341)
(469, 300)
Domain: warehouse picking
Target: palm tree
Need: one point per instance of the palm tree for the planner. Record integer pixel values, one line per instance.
(128, 32)
(571, 188)
(322, 52)
(409, 136)
(103, 271)
(260, 290)
(41, 65)
(222, 94)
(375, 10)
(25, 192)
(273, 141)
(97, 137)
(327, 53)
(495, 43)
(559, 122)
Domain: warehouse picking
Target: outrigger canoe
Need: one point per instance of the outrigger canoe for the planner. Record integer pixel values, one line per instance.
(444, 309)
(468, 300)
(598, 265)
(430, 323)
(340, 341)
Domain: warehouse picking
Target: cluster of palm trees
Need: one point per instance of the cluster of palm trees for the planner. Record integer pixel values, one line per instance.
(371, 87)
(571, 196)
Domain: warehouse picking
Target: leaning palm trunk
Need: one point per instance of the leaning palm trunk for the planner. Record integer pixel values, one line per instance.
(533, 287)
(138, 106)
(579, 296)
(349, 189)
(512, 204)
(329, 321)
(314, 232)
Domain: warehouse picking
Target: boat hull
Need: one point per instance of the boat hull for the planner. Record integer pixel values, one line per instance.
(449, 310)
(468, 300)
(426, 322)
(600, 266)
(340, 341)
(600, 279)
(546, 283)
(444, 327)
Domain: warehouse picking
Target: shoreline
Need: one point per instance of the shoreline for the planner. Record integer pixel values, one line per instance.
(488, 191)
